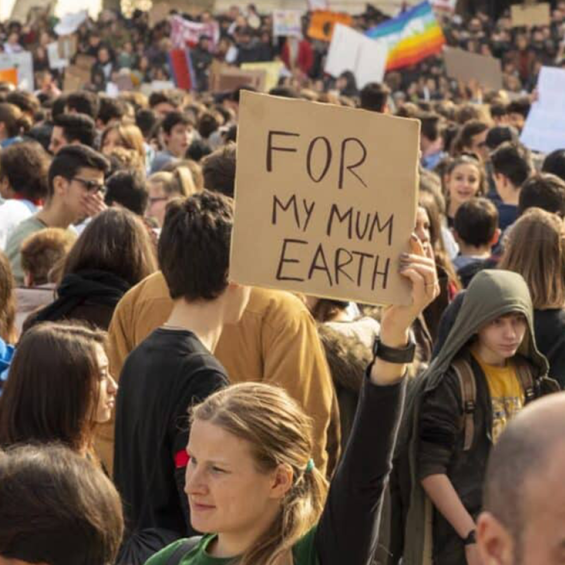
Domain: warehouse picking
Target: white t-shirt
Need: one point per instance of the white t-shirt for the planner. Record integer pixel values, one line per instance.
(12, 213)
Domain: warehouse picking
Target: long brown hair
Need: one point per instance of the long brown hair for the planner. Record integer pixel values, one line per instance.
(278, 432)
(115, 241)
(54, 400)
(7, 301)
(130, 137)
(536, 250)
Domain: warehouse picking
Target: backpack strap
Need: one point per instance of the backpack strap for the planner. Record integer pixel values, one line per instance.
(185, 547)
(526, 379)
(468, 385)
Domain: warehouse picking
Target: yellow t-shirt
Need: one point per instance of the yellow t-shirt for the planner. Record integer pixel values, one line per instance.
(506, 394)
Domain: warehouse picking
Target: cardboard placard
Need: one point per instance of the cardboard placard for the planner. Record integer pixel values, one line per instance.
(465, 66)
(67, 45)
(528, 15)
(325, 199)
(287, 23)
(353, 51)
(75, 78)
(55, 59)
(158, 13)
(10, 76)
(232, 78)
(85, 62)
(272, 72)
(322, 24)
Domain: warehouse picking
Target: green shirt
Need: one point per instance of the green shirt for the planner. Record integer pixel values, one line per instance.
(304, 553)
(27, 227)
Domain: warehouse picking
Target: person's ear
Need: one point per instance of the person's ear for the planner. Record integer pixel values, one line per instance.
(283, 478)
(496, 237)
(494, 542)
(60, 184)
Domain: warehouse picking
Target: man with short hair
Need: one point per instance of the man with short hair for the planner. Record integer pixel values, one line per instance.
(76, 186)
(511, 165)
(178, 132)
(431, 140)
(522, 521)
(374, 97)
(174, 367)
(72, 129)
(82, 102)
(543, 191)
(126, 189)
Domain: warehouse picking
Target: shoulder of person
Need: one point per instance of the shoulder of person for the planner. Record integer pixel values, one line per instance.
(276, 306)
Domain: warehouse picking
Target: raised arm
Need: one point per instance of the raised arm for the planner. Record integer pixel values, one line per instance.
(347, 531)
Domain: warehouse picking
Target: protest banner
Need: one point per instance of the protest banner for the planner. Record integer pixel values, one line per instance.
(465, 66)
(353, 51)
(325, 199)
(322, 24)
(10, 76)
(545, 126)
(224, 78)
(528, 15)
(185, 33)
(271, 69)
(23, 63)
(287, 23)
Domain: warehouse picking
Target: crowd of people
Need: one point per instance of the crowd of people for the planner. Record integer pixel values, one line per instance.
(154, 411)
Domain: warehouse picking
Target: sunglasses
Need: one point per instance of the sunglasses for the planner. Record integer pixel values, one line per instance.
(92, 186)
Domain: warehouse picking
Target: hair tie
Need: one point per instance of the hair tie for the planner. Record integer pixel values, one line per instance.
(310, 466)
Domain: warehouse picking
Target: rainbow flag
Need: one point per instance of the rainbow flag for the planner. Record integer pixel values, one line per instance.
(411, 37)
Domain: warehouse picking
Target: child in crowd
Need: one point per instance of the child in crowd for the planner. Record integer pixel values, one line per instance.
(486, 370)
(476, 232)
(464, 179)
(511, 166)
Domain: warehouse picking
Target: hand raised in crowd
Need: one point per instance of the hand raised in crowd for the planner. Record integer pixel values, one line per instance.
(420, 268)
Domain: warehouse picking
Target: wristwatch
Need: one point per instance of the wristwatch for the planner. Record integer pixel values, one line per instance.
(471, 538)
(400, 356)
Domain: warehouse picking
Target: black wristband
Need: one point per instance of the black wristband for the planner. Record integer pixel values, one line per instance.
(392, 354)
(471, 538)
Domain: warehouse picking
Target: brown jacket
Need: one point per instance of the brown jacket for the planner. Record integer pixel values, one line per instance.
(275, 342)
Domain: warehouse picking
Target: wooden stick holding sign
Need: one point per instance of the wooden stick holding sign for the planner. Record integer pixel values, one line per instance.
(325, 199)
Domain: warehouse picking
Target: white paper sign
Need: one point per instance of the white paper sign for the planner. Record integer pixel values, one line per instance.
(287, 23)
(23, 62)
(353, 51)
(545, 127)
(55, 61)
(444, 5)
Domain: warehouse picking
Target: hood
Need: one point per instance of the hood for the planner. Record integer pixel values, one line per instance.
(491, 294)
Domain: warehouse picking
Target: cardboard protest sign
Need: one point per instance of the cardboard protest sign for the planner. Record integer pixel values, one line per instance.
(287, 23)
(10, 76)
(465, 66)
(271, 69)
(232, 78)
(325, 199)
(545, 127)
(76, 78)
(353, 51)
(85, 62)
(530, 15)
(158, 13)
(67, 46)
(322, 24)
(23, 62)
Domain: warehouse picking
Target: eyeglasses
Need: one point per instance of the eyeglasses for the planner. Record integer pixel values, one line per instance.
(91, 186)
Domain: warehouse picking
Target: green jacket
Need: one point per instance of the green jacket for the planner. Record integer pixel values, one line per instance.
(491, 294)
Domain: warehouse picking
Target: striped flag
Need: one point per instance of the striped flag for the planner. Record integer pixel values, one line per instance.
(411, 37)
(185, 33)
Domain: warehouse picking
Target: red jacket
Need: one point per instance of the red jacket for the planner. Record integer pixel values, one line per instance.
(304, 59)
